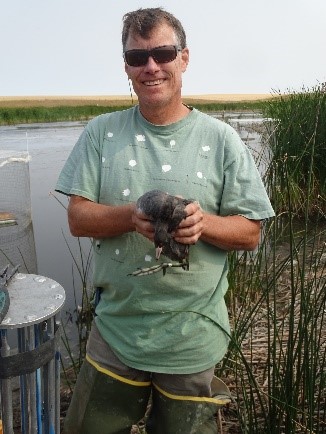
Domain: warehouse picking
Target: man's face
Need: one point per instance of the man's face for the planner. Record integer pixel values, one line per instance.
(157, 84)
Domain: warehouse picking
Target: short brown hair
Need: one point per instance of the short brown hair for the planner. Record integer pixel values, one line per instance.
(142, 22)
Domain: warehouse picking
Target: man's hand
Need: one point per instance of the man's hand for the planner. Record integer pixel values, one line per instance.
(228, 233)
(190, 229)
(143, 224)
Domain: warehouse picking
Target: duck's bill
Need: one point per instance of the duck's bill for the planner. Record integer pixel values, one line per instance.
(158, 252)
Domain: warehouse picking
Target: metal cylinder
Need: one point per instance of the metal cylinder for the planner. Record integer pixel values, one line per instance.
(16, 227)
(32, 325)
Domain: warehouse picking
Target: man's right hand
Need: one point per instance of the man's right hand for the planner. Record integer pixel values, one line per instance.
(143, 224)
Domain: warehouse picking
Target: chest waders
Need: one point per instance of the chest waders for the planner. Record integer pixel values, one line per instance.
(106, 403)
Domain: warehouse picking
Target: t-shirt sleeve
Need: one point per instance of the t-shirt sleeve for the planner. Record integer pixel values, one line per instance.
(81, 173)
(244, 192)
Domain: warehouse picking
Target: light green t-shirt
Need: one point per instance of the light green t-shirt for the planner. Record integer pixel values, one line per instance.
(177, 323)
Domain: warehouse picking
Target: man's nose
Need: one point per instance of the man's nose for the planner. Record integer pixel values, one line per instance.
(151, 65)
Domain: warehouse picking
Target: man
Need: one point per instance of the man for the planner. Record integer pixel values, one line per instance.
(158, 333)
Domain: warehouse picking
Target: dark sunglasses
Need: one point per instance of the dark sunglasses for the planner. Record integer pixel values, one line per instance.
(163, 54)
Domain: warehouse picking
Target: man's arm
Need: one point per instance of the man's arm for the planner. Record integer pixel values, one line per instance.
(232, 232)
(228, 233)
(90, 219)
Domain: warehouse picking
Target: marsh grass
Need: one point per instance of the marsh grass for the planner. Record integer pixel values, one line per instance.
(83, 311)
(299, 148)
(81, 316)
(276, 363)
(276, 360)
(20, 115)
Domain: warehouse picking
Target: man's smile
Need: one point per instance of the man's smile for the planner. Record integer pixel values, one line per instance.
(153, 82)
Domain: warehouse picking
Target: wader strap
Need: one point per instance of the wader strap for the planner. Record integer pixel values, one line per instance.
(27, 362)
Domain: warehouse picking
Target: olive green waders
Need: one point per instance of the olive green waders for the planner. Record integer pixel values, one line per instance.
(106, 403)
(175, 414)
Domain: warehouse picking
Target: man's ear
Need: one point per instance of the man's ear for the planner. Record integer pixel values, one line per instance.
(126, 70)
(184, 59)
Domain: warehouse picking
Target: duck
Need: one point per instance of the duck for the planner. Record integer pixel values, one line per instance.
(166, 213)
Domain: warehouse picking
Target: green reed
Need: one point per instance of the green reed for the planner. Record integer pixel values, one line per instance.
(19, 115)
(77, 324)
(80, 318)
(276, 363)
(300, 119)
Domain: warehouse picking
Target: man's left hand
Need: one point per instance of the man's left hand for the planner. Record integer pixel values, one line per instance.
(190, 228)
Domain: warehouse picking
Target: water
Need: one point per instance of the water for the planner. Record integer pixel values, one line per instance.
(49, 146)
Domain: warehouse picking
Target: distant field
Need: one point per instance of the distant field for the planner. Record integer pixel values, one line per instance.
(118, 100)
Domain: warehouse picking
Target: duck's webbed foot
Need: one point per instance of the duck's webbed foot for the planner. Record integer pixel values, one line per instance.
(159, 267)
(185, 264)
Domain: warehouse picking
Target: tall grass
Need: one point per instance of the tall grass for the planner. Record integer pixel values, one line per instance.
(299, 148)
(276, 362)
(81, 317)
(19, 115)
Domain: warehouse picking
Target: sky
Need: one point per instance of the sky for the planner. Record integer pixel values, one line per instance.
(73, 47)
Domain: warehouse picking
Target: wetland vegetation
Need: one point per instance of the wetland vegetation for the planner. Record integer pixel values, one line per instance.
(276, 364)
